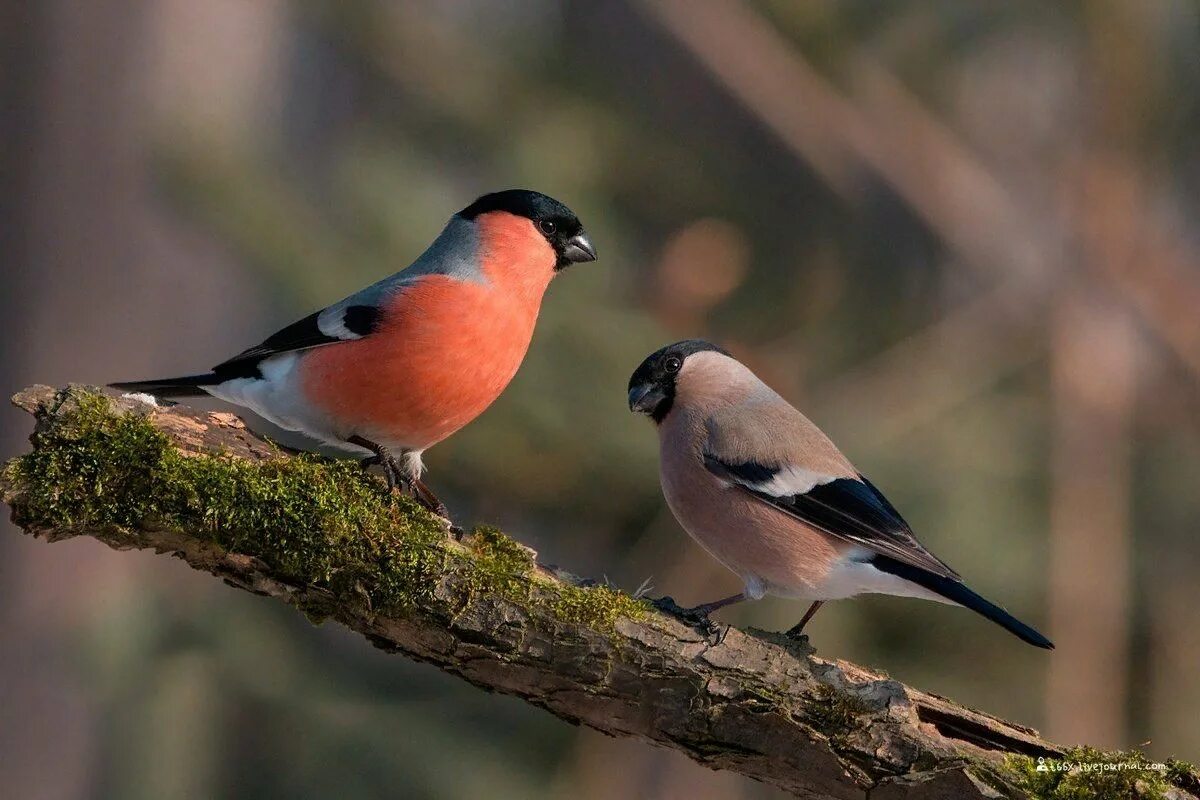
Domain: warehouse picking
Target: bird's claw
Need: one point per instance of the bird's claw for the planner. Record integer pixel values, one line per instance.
(434, 506)
(430, 501)
(714, 631)
(443, 514)
(667, 605)
(398, 479)
(697, 617)
(391, 470)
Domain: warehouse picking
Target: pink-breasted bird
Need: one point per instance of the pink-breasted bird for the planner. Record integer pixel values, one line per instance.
(408, 361)
(767, 494)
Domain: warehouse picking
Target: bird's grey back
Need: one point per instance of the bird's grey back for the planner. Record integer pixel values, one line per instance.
(454, 253)
(773, 433)
(746, 420)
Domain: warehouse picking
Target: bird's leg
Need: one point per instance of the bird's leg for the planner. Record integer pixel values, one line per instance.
(427, 498)
(699, 615)
(391, 468)
(704, 609)
(796, 631)
(398, 476)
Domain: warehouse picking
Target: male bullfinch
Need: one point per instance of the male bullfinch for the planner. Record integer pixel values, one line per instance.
(406, 362)
(763, 490)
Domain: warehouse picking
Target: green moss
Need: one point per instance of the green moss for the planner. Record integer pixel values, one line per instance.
(596, 606)
(1183, 774)
(311, 520)
(501, 564)
(1098, 775)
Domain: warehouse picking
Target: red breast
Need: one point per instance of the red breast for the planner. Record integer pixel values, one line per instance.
(445, 349)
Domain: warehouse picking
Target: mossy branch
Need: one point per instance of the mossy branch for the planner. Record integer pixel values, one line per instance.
(327, 538)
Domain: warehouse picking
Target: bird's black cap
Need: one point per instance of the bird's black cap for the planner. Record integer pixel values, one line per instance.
(554, 220)
(652, 385)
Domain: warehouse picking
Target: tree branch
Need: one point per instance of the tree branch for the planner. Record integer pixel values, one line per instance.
(326, 538)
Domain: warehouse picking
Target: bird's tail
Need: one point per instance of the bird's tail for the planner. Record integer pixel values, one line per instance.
(186, 386)
(957, 592)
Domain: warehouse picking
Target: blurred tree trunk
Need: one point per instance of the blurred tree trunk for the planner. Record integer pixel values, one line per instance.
(87, 250)
(68, 263)
(1090, 578)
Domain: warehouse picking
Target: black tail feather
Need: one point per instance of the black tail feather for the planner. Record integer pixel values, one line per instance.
(959, 593)
(186, 386)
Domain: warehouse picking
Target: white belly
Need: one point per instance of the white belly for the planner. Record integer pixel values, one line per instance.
(277, 397)
(853, 576)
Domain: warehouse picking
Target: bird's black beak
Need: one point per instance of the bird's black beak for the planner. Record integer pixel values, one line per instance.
(578, 250)
(646, 398)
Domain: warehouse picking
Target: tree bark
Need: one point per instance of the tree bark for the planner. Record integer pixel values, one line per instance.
(752, 702)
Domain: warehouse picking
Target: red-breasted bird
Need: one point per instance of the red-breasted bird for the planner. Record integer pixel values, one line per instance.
(764, 491)
(408, 361)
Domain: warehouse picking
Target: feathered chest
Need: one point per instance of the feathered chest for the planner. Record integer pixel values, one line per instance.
(443, 352)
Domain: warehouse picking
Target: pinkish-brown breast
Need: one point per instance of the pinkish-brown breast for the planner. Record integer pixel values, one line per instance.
(747, 536)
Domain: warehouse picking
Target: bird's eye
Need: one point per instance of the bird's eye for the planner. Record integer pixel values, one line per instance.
(672, 364)
(548, 227)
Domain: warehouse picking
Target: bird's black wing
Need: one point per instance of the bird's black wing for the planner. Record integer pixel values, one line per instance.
(851, 509)
(335, 324)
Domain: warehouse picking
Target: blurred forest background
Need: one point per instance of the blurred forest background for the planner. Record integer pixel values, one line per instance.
(960, 234)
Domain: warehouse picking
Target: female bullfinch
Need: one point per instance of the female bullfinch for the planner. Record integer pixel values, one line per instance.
(763, 490)
(406, 362)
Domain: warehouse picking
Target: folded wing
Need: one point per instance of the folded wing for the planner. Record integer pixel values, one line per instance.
(789, 464)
